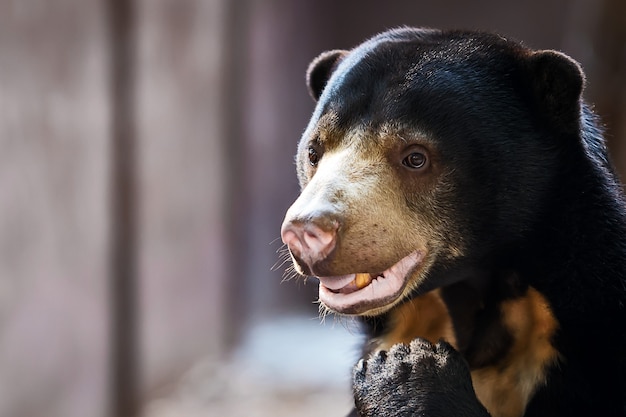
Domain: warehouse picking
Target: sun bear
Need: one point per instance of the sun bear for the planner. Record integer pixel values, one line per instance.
(457, 196)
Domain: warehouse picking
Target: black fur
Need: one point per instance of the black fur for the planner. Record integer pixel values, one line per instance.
(536, 197)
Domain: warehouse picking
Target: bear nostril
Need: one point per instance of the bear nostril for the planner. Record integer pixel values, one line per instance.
(318, 240)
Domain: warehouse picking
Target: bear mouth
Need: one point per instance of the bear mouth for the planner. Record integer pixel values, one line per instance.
(362, 293)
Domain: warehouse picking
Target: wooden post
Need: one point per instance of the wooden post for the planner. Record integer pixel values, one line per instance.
(124, 386)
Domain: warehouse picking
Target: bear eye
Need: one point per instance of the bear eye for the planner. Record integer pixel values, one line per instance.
(313, 157)
(415, 160)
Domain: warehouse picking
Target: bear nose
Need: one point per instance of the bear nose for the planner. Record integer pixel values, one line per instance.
(311, 241)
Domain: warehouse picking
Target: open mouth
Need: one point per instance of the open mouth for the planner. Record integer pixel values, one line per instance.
(363, 292)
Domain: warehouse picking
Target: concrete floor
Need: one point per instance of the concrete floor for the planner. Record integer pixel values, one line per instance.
(287, 367)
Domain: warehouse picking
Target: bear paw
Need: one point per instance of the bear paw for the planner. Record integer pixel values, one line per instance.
(420, 379)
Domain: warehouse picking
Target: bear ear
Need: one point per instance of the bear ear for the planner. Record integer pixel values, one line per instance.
(320, 70)
(557, 84)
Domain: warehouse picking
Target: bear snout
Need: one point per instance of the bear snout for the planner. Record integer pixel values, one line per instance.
(310, 241)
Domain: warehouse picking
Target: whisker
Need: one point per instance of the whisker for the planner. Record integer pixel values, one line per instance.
(283, 256)
(289, 274)
(282, 249)
(274, 240)
(279, 263)
(323, 311)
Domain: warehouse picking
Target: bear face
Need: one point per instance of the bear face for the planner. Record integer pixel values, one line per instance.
(397, 163)
(377, 197)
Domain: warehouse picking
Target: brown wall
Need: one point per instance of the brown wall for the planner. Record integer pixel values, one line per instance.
(53, 208)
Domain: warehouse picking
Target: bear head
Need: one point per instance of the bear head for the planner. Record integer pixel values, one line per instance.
(430, 154)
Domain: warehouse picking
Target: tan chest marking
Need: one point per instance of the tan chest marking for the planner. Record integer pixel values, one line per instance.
(425, 316)
(506, 387)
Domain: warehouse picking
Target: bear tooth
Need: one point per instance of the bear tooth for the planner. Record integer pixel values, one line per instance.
(362, 280)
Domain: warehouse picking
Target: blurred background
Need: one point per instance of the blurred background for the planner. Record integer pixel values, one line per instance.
(146, 162)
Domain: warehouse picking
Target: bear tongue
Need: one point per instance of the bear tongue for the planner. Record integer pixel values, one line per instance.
(337, 283)
(346, 284)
